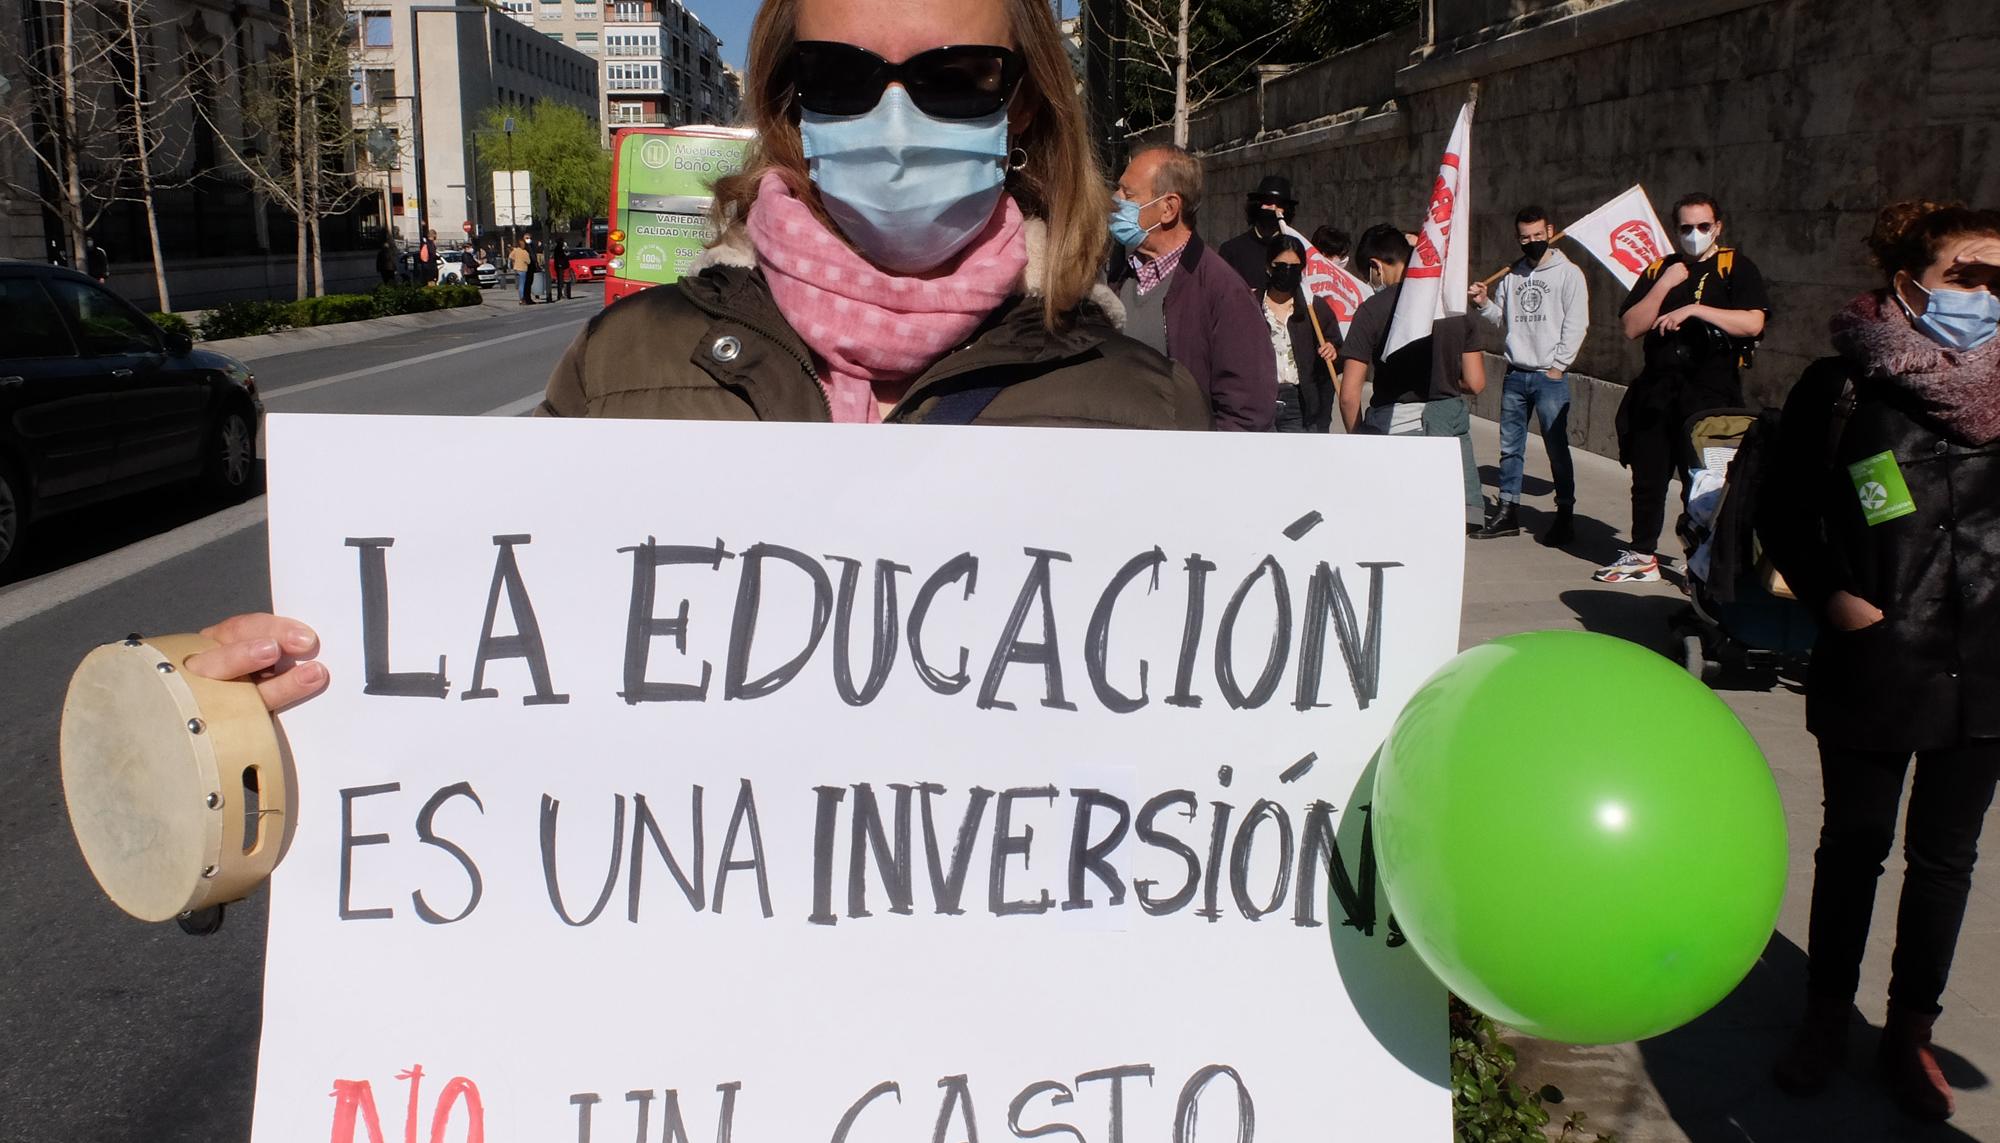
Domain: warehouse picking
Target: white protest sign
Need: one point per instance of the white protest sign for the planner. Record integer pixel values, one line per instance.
(843, 784)
(1624, 234)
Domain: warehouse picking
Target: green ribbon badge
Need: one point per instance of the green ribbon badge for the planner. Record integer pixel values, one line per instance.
(1878, 481)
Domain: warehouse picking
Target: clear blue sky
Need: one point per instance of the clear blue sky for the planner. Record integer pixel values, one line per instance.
(730, 19)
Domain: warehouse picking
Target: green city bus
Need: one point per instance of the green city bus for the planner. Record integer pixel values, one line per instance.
(660, 180)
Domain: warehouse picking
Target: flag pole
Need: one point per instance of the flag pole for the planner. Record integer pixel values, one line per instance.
(1318, 333)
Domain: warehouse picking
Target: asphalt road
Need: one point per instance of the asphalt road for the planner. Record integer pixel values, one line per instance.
(111, 1029)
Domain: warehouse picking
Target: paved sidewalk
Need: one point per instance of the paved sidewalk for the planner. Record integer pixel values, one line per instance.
(1706, 1083)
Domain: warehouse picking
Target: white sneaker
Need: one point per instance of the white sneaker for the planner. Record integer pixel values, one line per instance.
(1629, 567)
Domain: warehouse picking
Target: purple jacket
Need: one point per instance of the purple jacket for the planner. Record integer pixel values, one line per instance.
(1216, 333)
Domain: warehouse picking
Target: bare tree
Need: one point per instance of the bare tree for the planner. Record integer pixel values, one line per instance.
(88, 109)
(297, 144)
(59, 65)
(146, 101)
(1187, 53)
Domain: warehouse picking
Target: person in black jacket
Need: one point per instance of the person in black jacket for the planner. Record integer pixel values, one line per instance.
(1304, 343)
(1699, 311)
(565, 283)
(1883, 514)
(1263, 208)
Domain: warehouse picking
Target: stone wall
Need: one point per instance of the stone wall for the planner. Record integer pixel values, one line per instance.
(1801, 116)
(204, 283)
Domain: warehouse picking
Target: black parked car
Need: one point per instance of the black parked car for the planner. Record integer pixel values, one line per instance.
(97, 402)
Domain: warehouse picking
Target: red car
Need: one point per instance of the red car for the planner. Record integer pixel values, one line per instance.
(586, 265)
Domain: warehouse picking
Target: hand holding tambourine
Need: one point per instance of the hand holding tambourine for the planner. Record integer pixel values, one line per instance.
(177, 780)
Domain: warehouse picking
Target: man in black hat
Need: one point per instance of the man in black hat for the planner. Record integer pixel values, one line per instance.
(1270, 202)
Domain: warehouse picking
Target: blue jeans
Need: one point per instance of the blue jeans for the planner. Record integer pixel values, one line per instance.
(1549, 398)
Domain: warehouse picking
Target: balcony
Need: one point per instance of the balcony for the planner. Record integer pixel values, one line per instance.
(628, 78)
(631, 12)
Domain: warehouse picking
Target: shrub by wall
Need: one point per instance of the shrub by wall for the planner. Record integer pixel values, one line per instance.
(247, 319)
(173, 323)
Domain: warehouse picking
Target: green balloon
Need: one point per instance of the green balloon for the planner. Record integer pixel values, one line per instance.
(1578, 838)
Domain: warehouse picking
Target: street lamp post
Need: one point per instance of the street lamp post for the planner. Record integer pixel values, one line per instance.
(513, 208)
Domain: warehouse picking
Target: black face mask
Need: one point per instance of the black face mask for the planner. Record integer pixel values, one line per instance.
(1533, 251)
(1284, 277)
(1262, 221)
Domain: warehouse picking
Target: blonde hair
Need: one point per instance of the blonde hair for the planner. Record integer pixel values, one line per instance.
(1060, 183)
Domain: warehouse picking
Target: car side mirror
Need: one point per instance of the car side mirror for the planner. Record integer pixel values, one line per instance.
(178, 344)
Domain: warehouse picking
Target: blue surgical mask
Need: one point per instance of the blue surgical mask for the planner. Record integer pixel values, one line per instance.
(1125, 228)
(908, 190)
(1957, 319)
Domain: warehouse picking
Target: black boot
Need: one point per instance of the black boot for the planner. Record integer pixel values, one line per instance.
(1817, 1050)
(1562, 531)
(1906, 1063)
(1505, 521)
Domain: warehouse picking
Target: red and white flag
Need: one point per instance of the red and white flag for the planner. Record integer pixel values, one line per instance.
(1434, 285)
(1624, 234)
(1325, 278)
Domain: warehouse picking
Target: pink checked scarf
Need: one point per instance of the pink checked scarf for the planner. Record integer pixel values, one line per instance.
(869, 330)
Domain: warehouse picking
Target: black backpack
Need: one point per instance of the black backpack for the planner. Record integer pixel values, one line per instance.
(1735, 549)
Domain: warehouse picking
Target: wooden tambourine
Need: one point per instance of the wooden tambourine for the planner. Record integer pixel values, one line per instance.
(176, 784)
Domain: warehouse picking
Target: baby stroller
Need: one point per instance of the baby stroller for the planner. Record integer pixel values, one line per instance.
(1740, 615)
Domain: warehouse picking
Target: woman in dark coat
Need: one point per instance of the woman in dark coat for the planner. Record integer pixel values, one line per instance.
(1304, 345)
(1885, 519)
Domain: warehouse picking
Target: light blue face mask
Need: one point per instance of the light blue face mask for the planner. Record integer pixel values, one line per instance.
(1957, 319)
(908, 190)
(1125, 228)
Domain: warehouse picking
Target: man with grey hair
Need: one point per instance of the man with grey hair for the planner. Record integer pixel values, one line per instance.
(1181, 298)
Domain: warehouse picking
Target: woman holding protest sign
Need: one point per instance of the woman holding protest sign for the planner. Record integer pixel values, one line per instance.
(917, 237)
(1884, 516)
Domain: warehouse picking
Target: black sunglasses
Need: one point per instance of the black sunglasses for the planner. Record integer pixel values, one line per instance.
(1691, 227)
(964, 82)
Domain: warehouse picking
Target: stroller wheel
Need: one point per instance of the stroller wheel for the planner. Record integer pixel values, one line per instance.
(1695, 658)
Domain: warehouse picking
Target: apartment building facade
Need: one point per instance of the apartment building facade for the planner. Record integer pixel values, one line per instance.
(659, 65)
(452, 64)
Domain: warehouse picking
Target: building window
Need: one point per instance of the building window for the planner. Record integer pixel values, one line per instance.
(377, 30)
(586, 42)
(372, 87)
(633, 76)
(556, 36)
(628, 113)
(633, 44)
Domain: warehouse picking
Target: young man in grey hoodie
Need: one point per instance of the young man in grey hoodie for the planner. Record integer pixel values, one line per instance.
(1544, 308)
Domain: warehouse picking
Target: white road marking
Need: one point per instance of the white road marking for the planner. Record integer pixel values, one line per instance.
(26, 600)
(270, 395)
(33, 597)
